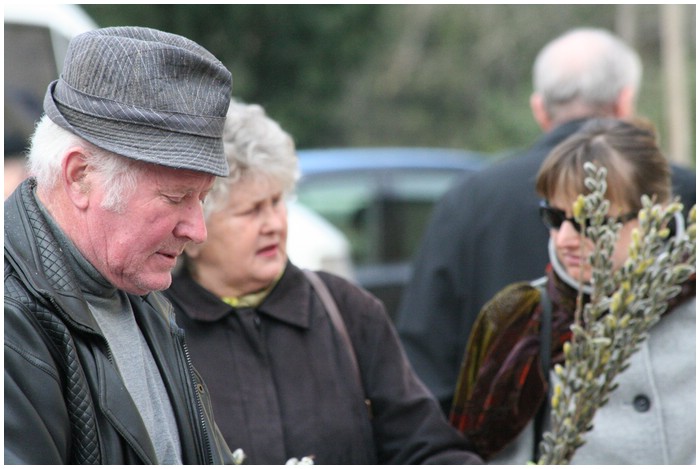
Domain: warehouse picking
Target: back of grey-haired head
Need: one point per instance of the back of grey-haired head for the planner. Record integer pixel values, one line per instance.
(255, 146)
(591, 66)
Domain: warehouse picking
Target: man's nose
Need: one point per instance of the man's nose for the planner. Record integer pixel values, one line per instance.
(193, 225)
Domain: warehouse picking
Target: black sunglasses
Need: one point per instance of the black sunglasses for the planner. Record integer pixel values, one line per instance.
(553, 217)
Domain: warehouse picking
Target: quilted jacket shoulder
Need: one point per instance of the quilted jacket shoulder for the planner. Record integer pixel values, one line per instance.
(62, 392)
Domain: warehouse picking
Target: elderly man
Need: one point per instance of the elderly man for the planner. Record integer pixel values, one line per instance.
(96, 371)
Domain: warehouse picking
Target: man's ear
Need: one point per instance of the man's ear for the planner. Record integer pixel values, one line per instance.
(625, 103)
(539, 112)
(75, 173)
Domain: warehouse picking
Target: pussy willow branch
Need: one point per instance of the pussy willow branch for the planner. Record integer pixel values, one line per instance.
(622, 309)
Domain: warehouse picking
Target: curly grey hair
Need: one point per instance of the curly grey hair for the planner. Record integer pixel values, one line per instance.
(255, 146)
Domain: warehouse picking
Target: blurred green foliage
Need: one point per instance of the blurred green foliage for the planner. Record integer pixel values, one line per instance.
(384, 74)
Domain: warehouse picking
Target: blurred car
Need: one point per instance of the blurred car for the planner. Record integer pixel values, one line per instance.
(381, 200)
(36, 39)
(314, 243)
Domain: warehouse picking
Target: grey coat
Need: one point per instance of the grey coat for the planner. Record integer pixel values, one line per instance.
(650, 418)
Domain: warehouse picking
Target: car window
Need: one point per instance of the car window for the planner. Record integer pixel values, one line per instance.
(427, 184)
(406, 207)
(382, 213)
(348, 201)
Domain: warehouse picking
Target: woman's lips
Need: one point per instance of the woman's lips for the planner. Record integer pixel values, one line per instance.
(268, 251)
(571, 260)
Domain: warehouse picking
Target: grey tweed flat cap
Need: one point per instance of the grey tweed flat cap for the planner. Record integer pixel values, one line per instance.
(144, 94)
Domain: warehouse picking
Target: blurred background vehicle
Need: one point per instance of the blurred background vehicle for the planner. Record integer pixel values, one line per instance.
(381, 200)
(36, 38)
(35, 44)
(314, 243)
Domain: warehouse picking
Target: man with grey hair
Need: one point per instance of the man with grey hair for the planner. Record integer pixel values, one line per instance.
(96, 370)
(486, 233)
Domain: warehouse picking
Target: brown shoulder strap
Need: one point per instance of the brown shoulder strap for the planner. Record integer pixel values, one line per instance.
(336, 318)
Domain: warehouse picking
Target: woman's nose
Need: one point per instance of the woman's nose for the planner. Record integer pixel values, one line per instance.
(567, 234)
(274, 216)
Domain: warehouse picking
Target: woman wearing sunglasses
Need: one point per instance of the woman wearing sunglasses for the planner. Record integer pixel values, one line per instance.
(501, 404)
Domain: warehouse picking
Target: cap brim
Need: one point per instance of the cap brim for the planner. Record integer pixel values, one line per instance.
(148, 144)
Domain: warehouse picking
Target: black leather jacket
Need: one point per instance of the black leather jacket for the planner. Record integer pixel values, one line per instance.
(64, 399)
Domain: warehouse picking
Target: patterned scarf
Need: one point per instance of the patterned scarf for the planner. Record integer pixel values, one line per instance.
(501, 384)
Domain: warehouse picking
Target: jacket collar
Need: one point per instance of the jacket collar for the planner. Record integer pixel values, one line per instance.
(34, 252)
(288, 302)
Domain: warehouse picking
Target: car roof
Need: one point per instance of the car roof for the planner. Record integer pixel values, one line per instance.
(356, 158)
(66, 19)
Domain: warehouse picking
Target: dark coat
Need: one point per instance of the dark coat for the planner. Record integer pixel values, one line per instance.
(65, 402)
(283, 386)
(484, 234)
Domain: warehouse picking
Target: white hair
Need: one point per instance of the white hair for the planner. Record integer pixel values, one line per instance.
(587, 66)
(255, 147)
(48, 146)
